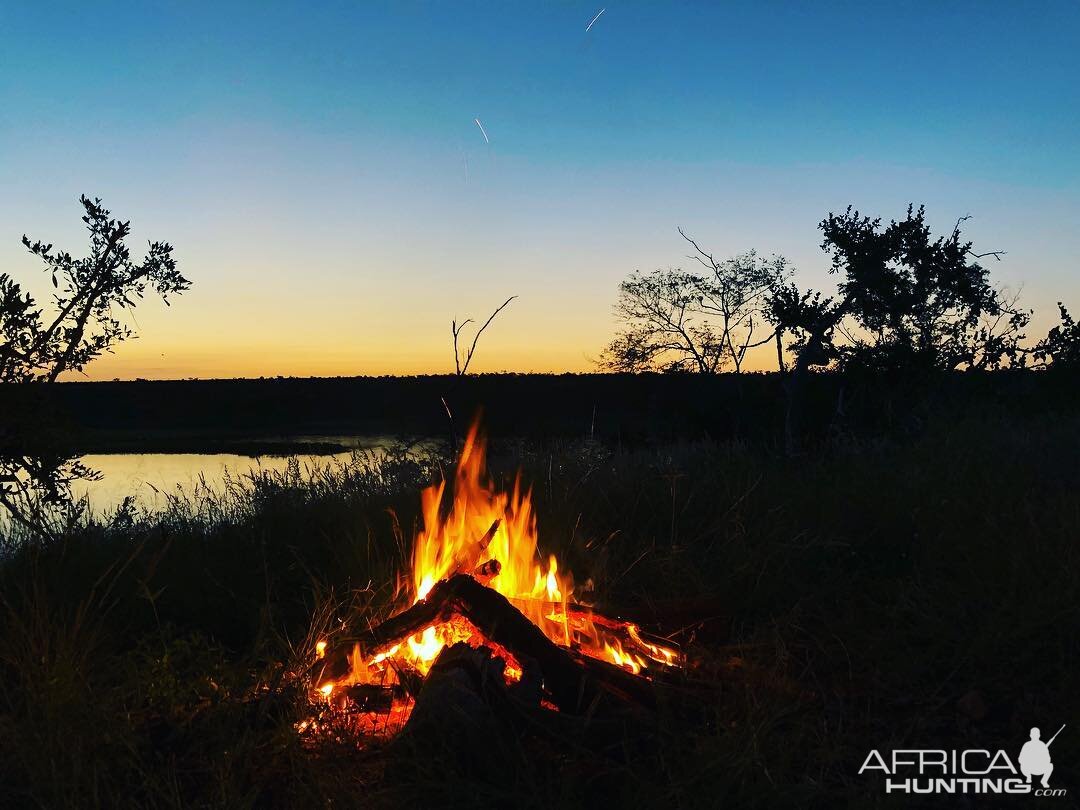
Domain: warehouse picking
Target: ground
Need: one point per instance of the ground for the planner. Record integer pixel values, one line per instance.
(882, 592)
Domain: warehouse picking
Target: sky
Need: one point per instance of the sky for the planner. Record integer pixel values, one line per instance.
(318, 168)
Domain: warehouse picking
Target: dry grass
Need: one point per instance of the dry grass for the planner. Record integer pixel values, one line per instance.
(879, 593)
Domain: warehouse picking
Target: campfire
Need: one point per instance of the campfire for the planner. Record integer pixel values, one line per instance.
(480, 590)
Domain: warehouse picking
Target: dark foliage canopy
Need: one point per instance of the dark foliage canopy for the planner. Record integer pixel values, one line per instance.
(1062, 345)
(905, 300)
(90, 295)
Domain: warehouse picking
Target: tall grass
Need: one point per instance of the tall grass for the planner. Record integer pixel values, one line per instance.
(877, 595)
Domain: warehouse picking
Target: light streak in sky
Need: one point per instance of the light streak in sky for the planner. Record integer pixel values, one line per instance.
(594, 19)
(482, 132)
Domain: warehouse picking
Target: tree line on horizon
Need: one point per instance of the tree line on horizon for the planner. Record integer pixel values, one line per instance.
(905, 300)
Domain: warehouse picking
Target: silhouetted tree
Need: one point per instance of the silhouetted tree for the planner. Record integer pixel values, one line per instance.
(1061, 346)
(84, 321)
(905, 301)
(664, 328)
(680, 321)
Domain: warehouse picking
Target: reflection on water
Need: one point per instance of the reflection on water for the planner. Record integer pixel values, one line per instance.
(150, 477)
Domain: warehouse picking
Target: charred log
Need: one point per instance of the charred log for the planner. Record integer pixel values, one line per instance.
(457, 720)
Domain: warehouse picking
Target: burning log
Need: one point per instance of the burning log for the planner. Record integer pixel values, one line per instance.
(489, 535)
(575, 682)
(660, 651)
(469, 564)
(454, 713)
(466, 711)
(487, 571)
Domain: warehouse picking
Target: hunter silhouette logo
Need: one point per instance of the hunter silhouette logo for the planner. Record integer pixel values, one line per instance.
(1035, 757)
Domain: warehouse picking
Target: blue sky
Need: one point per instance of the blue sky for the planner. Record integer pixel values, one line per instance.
(319, 171)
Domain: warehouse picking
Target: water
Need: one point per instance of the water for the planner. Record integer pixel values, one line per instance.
(150, 477)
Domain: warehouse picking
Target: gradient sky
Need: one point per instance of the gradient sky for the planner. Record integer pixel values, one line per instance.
(317, 167)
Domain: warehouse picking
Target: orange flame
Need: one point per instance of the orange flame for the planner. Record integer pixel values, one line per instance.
(482, 524)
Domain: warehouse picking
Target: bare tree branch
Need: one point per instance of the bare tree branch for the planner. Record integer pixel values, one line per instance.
(463, 368)
(997, 254)
(956, 227)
